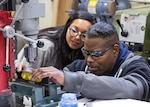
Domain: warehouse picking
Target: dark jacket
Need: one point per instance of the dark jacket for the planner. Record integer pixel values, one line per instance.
(130, 79)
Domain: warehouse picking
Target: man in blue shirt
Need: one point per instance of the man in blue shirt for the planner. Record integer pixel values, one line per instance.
(109, 71)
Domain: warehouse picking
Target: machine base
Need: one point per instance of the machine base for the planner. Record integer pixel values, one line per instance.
(7, 100)
(33, 95)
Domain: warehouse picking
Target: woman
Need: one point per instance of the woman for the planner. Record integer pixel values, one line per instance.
(62, 44)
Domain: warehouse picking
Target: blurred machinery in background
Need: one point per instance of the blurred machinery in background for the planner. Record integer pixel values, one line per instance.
(104, 10)
(133, 31)
(133, 27)
(132, 24)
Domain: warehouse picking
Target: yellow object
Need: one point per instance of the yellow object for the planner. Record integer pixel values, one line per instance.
(13, 13)
(92, 3)
(28, 76)
(92, 6)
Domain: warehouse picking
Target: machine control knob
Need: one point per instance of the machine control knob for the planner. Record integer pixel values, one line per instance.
(6, 67)
(124, 33)
(8, 32)
(40, 44)
(25, 1)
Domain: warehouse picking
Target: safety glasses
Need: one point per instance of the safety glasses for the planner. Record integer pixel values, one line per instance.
(74, 32)
(95, 54)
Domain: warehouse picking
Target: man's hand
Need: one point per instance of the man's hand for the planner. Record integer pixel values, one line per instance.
(14, 78)
(53, 73)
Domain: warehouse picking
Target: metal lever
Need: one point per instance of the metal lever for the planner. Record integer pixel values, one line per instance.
(30, 51)
(9, 32)
(124, 33)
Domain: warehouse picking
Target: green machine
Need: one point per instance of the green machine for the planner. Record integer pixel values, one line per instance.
(133, 26)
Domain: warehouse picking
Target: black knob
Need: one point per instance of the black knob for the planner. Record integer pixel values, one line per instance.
(124, 33)
(6, 67)
(25, 1)
(40, 44)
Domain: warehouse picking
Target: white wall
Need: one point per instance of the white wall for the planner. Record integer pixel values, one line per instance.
(50, 7)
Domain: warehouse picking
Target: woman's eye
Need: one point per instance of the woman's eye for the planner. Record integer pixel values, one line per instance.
(84, 34)
(74, 30)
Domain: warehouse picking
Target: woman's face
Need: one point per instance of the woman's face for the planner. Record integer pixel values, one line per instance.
(74, 32)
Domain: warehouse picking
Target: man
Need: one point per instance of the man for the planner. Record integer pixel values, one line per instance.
(112, 71)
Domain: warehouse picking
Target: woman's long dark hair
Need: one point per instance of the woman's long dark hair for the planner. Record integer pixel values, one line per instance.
(69, 54)
(58, 35)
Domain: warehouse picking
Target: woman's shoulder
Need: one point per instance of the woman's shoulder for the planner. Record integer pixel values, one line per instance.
(50, 31)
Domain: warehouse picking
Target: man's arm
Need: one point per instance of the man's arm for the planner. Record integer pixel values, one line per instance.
(133, 84)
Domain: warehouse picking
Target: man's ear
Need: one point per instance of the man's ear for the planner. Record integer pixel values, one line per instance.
(116, 49)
